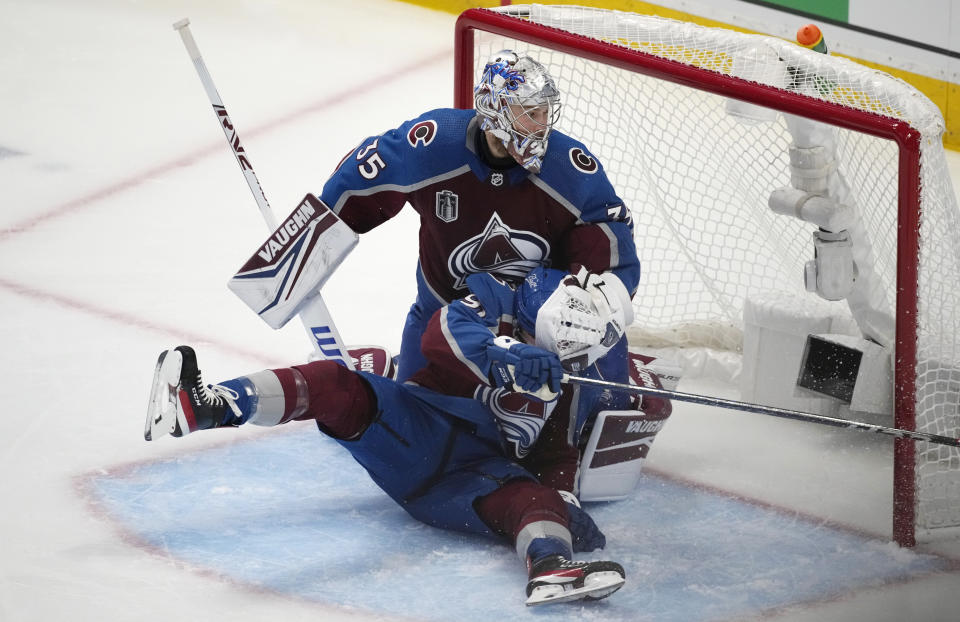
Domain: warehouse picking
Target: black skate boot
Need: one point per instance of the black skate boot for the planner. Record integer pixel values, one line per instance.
(180, 402)
(555, 579)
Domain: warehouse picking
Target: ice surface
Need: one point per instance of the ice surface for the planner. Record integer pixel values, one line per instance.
(123, 216)
(292, 513)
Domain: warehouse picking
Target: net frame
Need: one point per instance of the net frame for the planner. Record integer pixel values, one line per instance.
(513, 23)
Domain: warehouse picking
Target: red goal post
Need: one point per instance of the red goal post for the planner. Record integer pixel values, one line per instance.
(694, 59)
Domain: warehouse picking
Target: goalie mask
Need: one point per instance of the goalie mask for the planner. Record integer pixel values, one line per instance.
(519, 103)
(563, 317)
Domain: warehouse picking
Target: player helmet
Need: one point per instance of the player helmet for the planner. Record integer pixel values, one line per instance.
(519, 103)
(570, 326)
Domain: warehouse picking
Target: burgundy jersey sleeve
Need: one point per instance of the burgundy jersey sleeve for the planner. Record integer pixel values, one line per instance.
(363, 213)
(599, 247)
(448, 369)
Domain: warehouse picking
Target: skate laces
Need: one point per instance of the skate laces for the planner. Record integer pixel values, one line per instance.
(217, 395)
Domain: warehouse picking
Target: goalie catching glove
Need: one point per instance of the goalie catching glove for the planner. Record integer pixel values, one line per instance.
(525, 368)
(582, 319)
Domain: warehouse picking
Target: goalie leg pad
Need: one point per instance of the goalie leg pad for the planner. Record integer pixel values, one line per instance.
(621, 439)
(613, 459)
(375, 360)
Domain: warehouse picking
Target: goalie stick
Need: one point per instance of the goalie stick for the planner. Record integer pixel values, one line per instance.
(316, 318)
(772, 411)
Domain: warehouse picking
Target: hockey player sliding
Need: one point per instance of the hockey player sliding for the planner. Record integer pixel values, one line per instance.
(458, 446)
(498, 190)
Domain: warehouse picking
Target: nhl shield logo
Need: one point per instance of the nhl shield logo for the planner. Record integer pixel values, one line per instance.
(496, 179)
(448, 205)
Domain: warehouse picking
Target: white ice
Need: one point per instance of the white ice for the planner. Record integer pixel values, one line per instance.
(124, 214)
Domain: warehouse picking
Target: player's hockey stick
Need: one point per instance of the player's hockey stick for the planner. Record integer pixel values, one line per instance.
(323, 333)
(783, 413)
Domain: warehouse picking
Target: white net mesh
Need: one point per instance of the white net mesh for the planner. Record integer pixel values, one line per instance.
(698, 177)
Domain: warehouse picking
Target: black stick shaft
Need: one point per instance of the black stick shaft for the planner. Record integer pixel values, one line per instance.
(772, 411)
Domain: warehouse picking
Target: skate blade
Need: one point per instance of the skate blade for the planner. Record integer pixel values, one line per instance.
(602, 584)
(162, 408)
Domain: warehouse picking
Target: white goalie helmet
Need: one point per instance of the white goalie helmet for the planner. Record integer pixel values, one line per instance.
(519, 103)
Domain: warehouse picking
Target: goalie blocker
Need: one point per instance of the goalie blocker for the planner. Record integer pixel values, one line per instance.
(621, 439)
(294, 262)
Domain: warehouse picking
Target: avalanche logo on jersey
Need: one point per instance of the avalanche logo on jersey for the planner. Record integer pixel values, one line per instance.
(422, 133)
(519, 417)
(504, 252)
(583, 161)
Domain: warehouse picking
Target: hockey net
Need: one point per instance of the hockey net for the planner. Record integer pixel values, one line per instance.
(670, 109)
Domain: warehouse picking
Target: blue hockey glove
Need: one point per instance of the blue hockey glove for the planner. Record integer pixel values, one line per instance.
(526, 368)
(586, 535)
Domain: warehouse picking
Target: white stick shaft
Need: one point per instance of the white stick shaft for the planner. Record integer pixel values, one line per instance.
(183, 27)
(324, 336)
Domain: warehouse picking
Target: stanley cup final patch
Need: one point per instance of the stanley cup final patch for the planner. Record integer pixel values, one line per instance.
(448, 205)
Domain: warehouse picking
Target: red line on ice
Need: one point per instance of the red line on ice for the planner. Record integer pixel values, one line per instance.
(79, 203)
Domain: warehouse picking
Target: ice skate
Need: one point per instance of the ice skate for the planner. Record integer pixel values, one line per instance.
(555, 579)
(180, 402)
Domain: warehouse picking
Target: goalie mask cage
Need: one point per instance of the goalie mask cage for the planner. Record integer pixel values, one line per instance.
(649, 97)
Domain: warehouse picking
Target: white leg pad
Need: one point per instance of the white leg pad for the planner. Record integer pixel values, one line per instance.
(613, 459)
